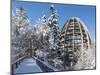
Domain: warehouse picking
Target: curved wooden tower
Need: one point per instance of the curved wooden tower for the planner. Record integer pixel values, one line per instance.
(74, 38)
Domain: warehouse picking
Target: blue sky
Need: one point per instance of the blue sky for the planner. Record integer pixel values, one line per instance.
(35, 10)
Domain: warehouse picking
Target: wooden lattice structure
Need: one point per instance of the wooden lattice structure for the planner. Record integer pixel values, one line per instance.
(74, 38)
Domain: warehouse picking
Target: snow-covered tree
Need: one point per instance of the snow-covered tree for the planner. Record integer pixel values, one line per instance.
(86, 60)
(54, 29)
(22, 32)
(53, 37)
(43, 36)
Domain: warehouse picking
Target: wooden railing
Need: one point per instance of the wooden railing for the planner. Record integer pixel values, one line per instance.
(45, 67)
(16, 63)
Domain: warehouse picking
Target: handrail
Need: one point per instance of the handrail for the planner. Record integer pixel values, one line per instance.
(46, 65)
(16, 63)
(18, 59)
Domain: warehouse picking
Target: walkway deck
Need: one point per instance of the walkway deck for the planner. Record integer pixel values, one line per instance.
(28, 65)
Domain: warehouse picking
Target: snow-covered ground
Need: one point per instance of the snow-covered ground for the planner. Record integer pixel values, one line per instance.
(29, 65)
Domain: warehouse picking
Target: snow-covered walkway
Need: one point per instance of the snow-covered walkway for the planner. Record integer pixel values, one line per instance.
(28, 65)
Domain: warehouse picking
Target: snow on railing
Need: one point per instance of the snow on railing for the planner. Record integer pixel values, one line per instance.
(46, 65)
(16, 63)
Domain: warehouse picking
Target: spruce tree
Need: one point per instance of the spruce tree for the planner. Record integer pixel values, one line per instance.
(54, 29)
(53, 36)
